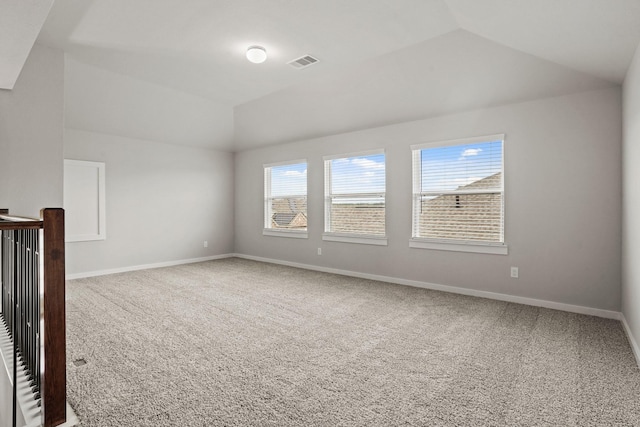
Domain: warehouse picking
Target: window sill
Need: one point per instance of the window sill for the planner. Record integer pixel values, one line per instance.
(351, 238)
(496, 249)
(293, 234)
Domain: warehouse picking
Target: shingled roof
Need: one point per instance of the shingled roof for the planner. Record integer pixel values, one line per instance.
(465, 216)
(289, 220)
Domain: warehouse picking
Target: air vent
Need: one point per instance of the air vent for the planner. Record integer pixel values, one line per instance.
(303, 61)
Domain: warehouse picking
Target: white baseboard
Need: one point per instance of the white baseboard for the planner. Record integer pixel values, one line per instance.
(144, 266)
(632, 340)
(608, 314)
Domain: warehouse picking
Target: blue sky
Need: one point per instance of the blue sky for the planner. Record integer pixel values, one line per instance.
(289, 180)
(443, 168)
(447, 168)
(362, 174)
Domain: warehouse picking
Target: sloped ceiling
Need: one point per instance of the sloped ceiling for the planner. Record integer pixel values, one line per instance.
(454, 72)
(199, 45)
(20, 23)
(101, 101)
(381, 61)
(598, 37)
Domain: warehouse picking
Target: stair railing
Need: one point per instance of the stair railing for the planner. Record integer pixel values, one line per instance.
(32, 259)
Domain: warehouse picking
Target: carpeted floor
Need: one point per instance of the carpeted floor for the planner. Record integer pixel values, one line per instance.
(241, 343)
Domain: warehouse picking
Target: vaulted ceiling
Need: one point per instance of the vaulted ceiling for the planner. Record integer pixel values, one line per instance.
(381, 61)
(20, 23)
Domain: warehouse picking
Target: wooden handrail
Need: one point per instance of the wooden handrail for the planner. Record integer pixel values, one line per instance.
(13, 222)
(15, 218)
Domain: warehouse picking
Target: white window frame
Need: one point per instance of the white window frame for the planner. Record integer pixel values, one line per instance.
(274, 232)
(496, 248)
(365, 239)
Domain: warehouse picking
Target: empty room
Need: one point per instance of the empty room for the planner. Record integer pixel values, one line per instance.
(320, 213)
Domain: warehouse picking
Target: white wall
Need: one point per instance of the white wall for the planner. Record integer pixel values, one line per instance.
(631, 200)
(163, 201)
(31, 135)
(31, 140)
(563, 202)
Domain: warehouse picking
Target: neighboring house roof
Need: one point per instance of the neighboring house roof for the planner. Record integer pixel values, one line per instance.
(290, 205)
(491, 181)
(465, 216)
(285, 219)
(358, 218)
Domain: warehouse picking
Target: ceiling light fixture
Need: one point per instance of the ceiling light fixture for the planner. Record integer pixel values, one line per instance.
(256, 54)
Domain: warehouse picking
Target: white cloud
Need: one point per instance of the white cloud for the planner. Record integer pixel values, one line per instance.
(367, 163)
(471, 152)
(295, 173)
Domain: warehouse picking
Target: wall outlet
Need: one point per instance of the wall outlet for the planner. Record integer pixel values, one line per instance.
(514, 272)
(206, 244)
(319, 251)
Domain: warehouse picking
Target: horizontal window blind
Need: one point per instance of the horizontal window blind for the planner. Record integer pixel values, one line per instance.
(285, 201)
(459, 191)
(355, 194)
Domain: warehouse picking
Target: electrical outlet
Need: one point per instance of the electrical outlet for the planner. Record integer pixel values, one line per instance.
(206, 244)
(514, 272)
(319, 251)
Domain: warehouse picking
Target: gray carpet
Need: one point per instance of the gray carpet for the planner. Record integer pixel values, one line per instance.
(241, 343)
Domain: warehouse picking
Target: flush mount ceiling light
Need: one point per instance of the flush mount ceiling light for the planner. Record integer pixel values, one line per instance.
(256, 54)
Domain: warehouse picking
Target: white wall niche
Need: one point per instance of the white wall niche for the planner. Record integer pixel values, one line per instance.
(84, 200)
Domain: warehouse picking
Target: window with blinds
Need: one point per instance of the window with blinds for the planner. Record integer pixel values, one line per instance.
(355, 195)
(458, 191)
(285, 198)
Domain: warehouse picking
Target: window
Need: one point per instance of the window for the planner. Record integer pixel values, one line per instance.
(355, 198)
(285, 199)
(458, 195)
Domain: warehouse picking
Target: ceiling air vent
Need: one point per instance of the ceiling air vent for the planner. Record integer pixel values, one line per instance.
(303, 61)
